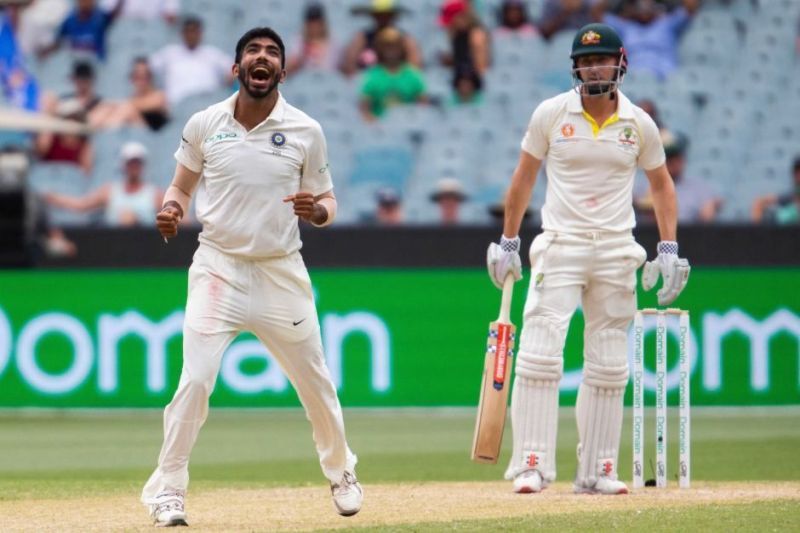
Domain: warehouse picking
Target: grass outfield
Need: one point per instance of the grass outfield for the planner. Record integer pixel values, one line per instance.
(249, 459)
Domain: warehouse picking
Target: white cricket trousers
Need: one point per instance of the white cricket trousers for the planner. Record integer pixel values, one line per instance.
(271, 298)
(597, 270)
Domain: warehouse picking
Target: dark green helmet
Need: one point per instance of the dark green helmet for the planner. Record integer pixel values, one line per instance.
(596, 38)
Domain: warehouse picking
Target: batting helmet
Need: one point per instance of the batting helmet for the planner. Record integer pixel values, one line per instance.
(598, 39)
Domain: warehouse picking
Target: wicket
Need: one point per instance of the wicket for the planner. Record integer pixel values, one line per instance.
(684, 414)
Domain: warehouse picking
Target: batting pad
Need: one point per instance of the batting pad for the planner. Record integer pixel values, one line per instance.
(599, 415)
(534, 423)
(541, 349)
(605, 362)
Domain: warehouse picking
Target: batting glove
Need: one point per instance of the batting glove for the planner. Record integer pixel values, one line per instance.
(673, 269)
(502, 259)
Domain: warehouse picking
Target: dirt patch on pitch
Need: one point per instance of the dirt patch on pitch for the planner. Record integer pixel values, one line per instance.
(308, 508)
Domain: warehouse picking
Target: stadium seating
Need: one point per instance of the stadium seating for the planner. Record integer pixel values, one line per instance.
(736, 95)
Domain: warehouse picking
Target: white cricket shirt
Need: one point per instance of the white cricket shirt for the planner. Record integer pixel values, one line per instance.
(246, 175)
(591, 168)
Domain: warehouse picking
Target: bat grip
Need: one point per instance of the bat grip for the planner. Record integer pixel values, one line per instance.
(505, 302)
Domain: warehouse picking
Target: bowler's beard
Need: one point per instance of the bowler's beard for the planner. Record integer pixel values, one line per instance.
(257, 94)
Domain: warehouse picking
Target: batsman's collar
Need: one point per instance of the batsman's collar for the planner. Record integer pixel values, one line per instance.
(278, 112)
(624, 106)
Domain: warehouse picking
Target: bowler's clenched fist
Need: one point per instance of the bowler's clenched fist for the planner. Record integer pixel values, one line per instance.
(307, 208)
(168, 218)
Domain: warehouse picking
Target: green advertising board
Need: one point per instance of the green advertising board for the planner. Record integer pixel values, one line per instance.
(392, 338)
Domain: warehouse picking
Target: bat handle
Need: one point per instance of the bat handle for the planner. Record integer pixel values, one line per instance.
(505, 303)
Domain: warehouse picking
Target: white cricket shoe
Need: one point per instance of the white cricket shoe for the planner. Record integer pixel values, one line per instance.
(529, 482)
(347, 495)
(604, 485)
(167, 509)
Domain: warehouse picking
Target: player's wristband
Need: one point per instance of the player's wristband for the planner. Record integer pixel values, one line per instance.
(667, 248)
(176, 205)
(509, 245)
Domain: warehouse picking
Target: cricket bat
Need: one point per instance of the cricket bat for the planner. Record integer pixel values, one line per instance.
(495, 383)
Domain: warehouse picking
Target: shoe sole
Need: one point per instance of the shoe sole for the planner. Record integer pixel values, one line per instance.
(173, 523)
(527, 490)
(343, 512)
(591, 492)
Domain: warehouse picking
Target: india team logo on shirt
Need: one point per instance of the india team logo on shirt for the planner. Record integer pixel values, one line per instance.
(278, 139)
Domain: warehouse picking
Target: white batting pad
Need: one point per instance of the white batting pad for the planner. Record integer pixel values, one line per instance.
(605, 361)
(534, 421)
(541, 348)
(599, 415)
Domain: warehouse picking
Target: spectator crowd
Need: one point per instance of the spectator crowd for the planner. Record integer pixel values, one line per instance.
(385, 63)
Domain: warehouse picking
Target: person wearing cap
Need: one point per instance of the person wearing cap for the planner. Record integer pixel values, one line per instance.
(449, 195)
(393, 80)
(361, 52)
(593, 138)
(313, 48)
(697, 202)
(469, 40)
(85, 29)
(130, 202)
(191, 67)
(388, 208)
(81, 105)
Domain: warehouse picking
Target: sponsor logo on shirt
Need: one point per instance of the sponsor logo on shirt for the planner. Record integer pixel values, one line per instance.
(324, 169)
(221, 137)
(567, 133)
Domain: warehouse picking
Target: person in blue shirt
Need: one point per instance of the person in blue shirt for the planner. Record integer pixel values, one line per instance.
(85, 29)
(17, 84)
(651, 36)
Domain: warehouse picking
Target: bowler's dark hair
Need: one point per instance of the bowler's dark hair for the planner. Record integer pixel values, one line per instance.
(257, 33)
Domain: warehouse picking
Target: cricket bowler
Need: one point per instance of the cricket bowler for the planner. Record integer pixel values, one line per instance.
(262, 164)
(593, 138)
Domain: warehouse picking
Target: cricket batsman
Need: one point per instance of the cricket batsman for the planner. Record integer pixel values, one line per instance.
(593, 138)
(263, 164)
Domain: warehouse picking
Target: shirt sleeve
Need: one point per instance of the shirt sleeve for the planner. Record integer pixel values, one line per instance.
(536, 140)
(678, 20)
(614, 21)
(651, 150)
(190, 152)
(316, 170)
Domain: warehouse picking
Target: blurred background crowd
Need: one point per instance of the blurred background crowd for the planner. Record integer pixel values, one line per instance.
(423, 102)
